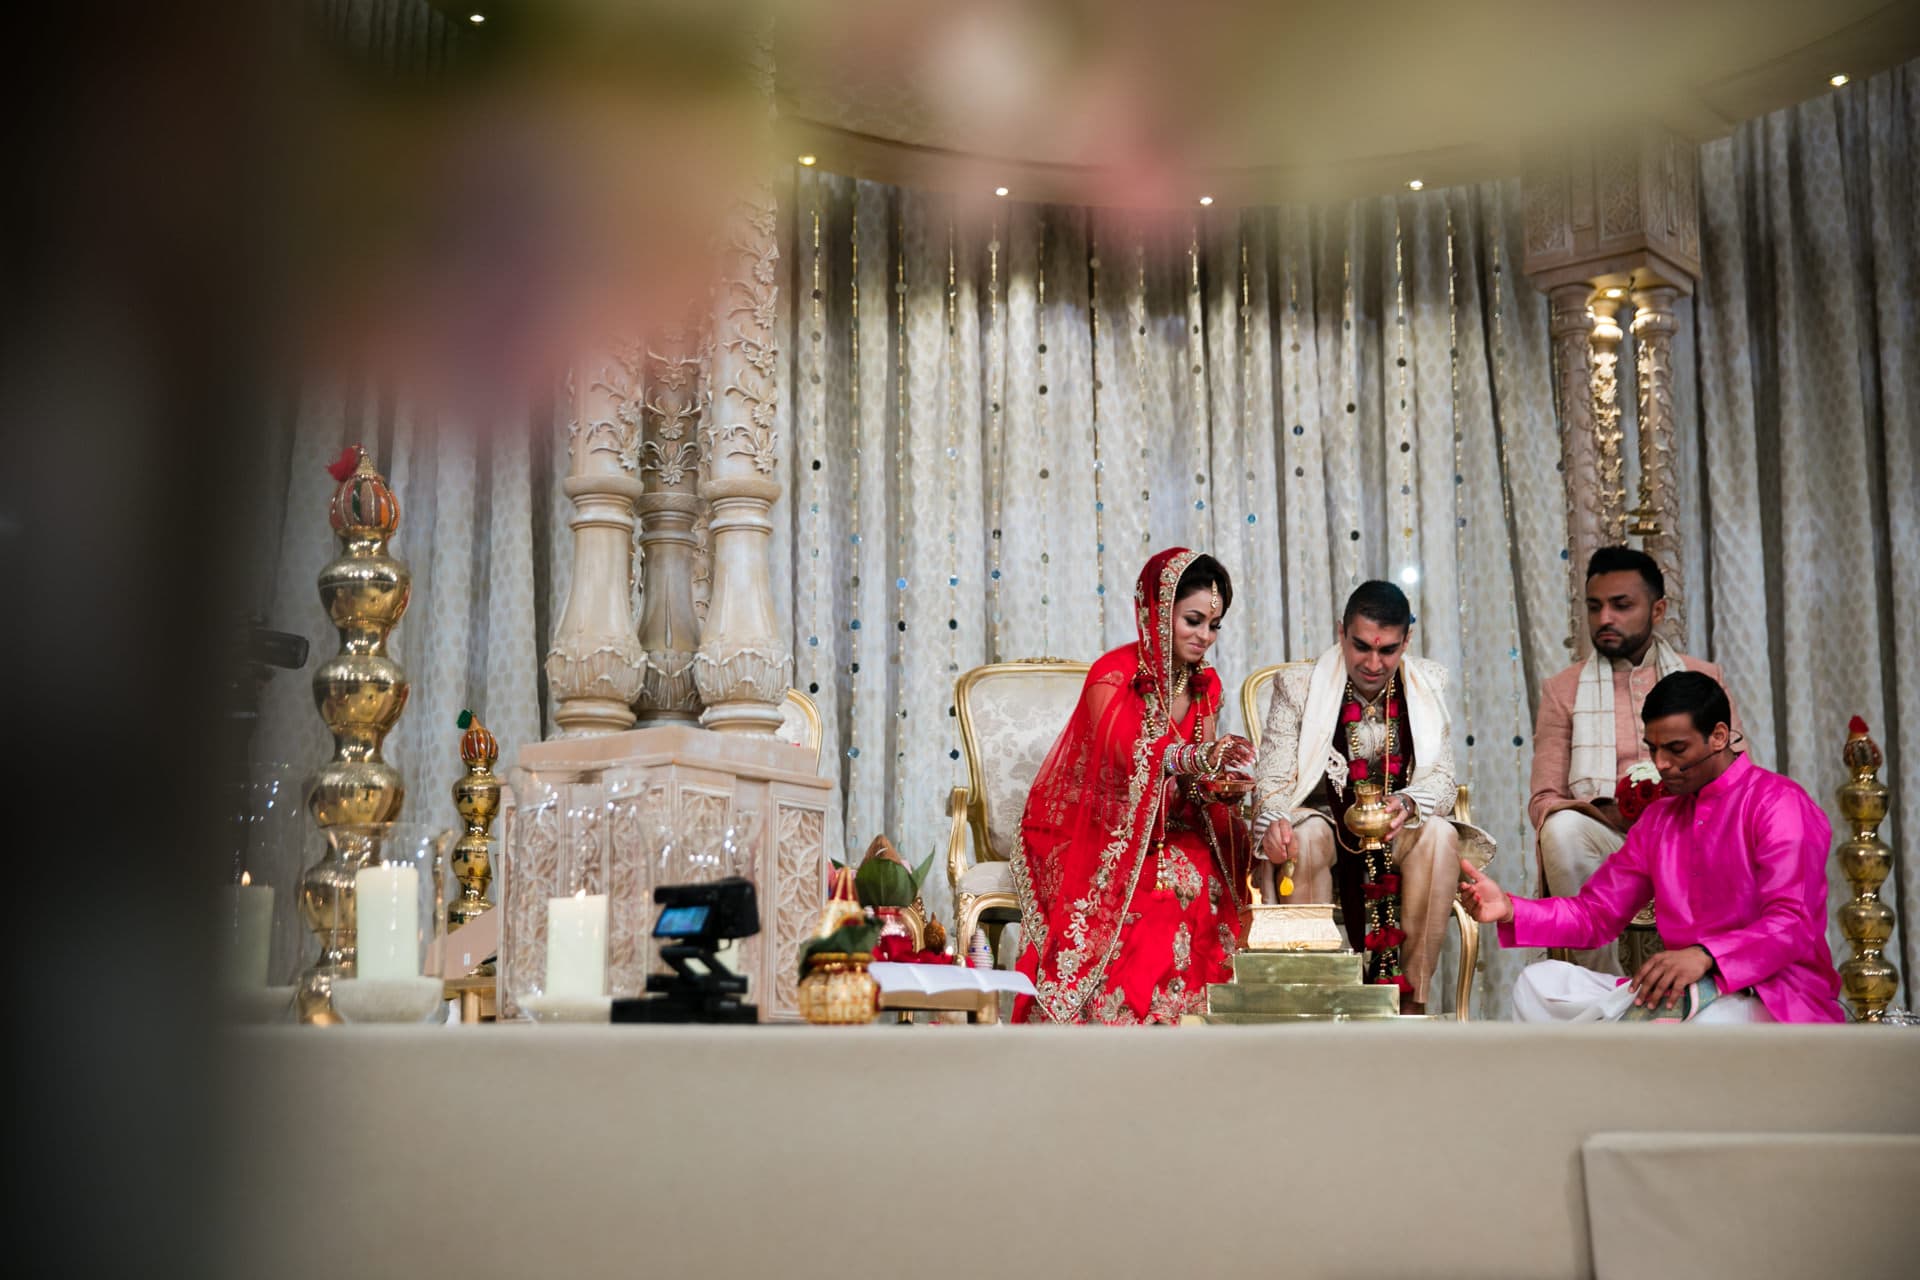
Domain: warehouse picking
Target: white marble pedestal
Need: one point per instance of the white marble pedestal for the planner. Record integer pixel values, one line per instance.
(623, 812)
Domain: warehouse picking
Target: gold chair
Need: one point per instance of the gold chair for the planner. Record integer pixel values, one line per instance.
(800, 724)
(1011, 714)
(1254, 692)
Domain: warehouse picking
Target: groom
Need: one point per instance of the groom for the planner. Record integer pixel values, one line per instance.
(1366, 711)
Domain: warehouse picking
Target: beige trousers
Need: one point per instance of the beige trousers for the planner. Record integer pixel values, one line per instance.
(1572, 847)
(1428, 857)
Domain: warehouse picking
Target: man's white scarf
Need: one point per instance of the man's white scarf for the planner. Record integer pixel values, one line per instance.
(1594, 769)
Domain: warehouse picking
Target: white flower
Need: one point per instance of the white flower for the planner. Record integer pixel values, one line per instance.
(1644, 771)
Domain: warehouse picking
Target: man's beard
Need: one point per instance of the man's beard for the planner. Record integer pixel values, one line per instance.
(1623, 647)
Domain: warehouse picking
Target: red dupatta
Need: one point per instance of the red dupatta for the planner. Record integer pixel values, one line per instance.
(1099, 803)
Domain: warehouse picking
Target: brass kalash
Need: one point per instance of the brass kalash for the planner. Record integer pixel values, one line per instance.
(1296, 966)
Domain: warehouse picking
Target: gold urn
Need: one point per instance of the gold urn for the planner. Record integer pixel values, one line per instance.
(360, 693)
(477, 797)
(838, 990)
(1369, 818)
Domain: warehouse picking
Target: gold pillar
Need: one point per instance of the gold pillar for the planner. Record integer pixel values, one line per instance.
(1656, 519)
(1610, 493)
(1867, 979)
(1571, 327)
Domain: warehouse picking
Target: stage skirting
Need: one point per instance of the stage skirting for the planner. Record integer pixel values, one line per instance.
(1327, 1150)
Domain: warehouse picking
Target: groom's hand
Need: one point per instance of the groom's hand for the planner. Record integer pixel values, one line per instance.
(1277, 845)
(1486, 901)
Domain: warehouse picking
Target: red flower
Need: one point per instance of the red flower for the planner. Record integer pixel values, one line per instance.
(1389, 883)
(1393, 708)
(1358, 769)
(1632, 796)
(343, 466)
(1350, 714)
(1856, 728)
(1396, 764)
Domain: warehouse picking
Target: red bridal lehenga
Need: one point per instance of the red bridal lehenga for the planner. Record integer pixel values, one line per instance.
(1131, 885)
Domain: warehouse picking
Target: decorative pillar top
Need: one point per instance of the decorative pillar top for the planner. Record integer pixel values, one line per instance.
(1621, 212)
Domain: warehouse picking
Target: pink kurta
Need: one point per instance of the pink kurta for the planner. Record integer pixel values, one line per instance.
(1738, 868)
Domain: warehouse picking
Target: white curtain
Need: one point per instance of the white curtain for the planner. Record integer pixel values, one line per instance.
(1808, 387)
(1315, 396)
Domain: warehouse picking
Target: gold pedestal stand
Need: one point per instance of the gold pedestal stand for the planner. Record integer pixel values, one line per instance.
(1868, 981)
(360, 693)
(1296, 968)
(477, 797)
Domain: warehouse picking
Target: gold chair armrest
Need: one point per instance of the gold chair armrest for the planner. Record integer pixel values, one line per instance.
(1469, 961)
(957, 841)
(1462, 806)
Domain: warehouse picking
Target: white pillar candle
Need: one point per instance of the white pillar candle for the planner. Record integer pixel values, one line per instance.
(577, 945)
(247, 932)
(386, 905)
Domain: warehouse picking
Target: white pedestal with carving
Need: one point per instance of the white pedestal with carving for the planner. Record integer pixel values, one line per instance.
(590, 814)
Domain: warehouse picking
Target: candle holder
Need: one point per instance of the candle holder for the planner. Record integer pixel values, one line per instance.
(360, 693)
(389, 877)
(557, 936)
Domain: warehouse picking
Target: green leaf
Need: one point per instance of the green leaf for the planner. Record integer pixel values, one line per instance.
(920, 872)
(466, 719)
(882, 882)
(850, 939)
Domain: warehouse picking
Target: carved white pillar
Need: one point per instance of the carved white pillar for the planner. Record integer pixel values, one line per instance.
(1657, 518)
(669, 460)
(1612, 492)
(742, 667)
(594, 668)
(1570, 325)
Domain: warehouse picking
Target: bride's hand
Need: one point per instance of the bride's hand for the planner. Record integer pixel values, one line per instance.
(1237, 754)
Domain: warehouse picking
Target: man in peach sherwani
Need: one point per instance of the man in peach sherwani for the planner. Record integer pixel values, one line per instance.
(1589, 732)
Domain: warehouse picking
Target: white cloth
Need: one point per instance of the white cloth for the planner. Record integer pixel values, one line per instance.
(1555, 991)
(1594, 768)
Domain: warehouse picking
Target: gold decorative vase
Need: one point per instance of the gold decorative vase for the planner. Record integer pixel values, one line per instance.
(1868, 981)
(838, 990)
(477, 797)
(360, 693)
(1368, 817)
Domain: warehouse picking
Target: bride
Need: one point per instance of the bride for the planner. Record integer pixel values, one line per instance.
(1132, 862)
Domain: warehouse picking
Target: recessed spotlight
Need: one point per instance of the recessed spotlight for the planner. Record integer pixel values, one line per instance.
(1616, 293)
(1416, 185)
(476, 18)
(1837, 81)
(1206, 199)
(809, 160)
(1000, 191)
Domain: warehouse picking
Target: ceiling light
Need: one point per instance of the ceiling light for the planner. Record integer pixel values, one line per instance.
(1410, 575)
(1616, 293)
(1000, 191)
(1206, 199)
(1416, 185)
(1837, 81)
(809, 160)
(476, 18)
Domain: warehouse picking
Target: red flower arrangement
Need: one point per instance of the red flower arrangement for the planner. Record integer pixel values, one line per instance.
(1635, 791)
(343, 466)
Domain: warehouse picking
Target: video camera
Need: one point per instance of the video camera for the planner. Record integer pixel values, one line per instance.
(694, 919)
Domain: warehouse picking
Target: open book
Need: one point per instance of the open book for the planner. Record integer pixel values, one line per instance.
(938, 979)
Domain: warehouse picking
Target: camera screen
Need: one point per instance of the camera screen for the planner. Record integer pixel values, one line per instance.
(681, 922)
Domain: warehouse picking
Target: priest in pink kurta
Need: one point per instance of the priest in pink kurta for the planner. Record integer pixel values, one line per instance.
(1735, 856)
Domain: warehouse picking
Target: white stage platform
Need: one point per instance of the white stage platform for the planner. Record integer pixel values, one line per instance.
(1430, 1150)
